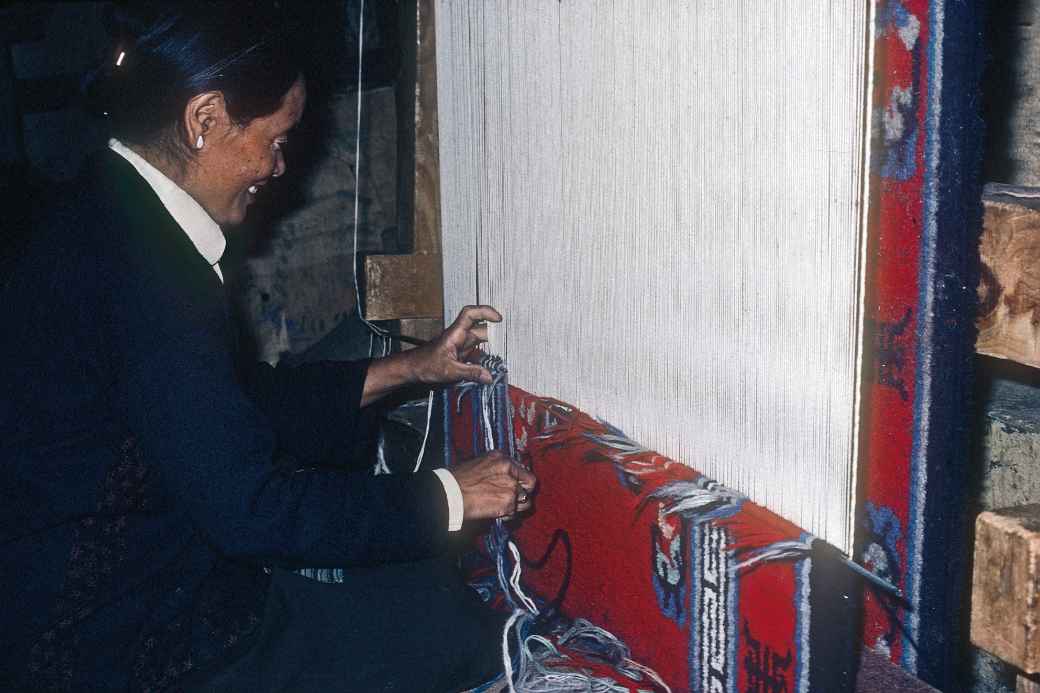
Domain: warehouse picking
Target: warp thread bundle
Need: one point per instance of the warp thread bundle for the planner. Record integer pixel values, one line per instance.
(539, 665)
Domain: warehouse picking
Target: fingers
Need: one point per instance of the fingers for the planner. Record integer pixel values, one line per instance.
(472, 323)
(503, 502)
(524, 500)
(453, 356)
(475, 335)
(523, 489)
(481, 375)
(473, 355)
(523, 476)
(493, 486)
(472, 373)
(470, 316)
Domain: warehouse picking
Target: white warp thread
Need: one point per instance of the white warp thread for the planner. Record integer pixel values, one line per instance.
(665, 200)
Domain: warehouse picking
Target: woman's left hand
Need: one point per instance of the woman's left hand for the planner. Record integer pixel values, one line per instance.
(447, 359)
(450, 358)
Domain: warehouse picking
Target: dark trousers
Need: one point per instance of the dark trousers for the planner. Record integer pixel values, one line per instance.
(401, 627)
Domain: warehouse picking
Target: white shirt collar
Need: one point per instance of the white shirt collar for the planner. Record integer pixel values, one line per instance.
(199, 226)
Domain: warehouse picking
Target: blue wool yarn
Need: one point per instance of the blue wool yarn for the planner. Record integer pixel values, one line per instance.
(538, 666)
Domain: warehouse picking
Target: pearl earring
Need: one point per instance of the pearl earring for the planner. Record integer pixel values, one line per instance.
(199, 142)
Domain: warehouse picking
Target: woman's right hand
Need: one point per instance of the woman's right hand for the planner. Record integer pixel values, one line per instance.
(494, 486)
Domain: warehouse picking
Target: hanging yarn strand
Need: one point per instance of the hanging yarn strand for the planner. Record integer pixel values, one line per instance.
(537, 668)
(375, 330)
(426, 434)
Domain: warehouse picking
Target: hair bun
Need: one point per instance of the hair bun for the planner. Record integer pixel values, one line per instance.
(98, 90)
(105, 89)
(130, 20)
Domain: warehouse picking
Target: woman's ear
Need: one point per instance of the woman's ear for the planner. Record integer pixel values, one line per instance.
(204, 116)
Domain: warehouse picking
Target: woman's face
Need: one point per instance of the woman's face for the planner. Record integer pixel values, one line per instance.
(235, 162)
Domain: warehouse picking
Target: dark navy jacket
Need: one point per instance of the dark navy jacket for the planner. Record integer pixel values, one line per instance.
(144, 481)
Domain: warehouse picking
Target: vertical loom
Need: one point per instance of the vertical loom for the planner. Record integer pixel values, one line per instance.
(666, 201)
(671, 203)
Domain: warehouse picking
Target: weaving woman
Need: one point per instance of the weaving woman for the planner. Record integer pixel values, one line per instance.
(157, 496)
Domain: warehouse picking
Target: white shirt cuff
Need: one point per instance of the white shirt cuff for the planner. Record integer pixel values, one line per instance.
(454, 494)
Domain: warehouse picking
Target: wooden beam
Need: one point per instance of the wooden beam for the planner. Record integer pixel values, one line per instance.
(426, 329)
(410, 286)
(427, 217)
(407, 286)
(1005, 591)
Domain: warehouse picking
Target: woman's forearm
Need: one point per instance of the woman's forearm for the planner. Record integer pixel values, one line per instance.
(388, 374)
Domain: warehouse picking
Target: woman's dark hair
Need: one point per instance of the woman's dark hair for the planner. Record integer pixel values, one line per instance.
(165, 55)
